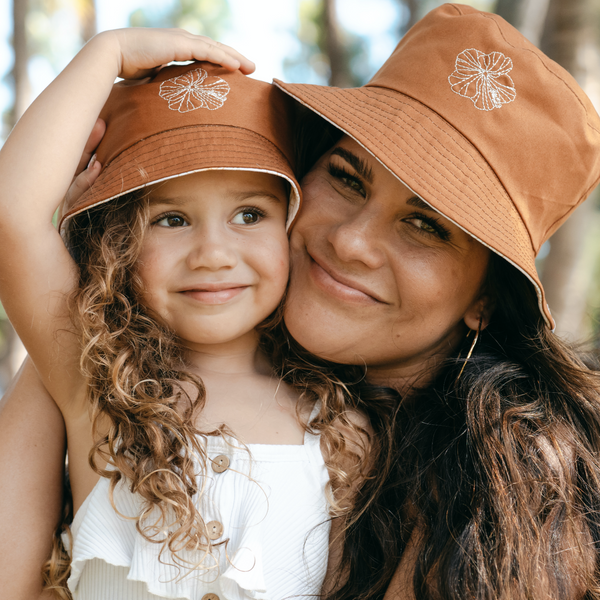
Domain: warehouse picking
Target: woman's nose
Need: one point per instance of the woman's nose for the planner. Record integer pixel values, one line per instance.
(358, 239)
(212, 250)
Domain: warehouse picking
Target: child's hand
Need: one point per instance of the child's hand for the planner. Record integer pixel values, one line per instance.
(142, 50)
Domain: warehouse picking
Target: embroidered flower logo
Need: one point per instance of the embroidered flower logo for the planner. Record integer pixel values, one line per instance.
(194, 90)
(483, 78)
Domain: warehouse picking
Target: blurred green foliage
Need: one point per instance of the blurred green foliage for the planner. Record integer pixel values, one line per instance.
(311, 64)
(202, 17)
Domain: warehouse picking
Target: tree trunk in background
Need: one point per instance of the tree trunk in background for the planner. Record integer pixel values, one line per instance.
(413, 13)
(13, 352)
(528, 16)
(22, 89)
(87, 18)
(569, 40)
(338, 56)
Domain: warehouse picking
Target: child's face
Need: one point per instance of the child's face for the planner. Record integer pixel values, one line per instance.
(214, 260)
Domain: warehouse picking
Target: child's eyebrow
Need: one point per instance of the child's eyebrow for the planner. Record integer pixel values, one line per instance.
(252, 194)
(158, 199)
(236, 197)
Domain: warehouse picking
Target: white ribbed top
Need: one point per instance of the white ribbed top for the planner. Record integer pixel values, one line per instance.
(272, 507)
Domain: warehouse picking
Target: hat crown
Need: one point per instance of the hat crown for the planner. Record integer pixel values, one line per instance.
(186, 119)
(190, 95)
(523, 112)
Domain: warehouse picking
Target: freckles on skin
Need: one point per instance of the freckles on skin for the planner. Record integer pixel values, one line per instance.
(372, 233)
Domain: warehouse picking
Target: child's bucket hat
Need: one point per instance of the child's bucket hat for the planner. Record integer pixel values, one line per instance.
(187, 119)
(481, 125)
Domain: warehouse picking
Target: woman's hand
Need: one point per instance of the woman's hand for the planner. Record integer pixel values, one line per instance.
(143, 50)
(87, 171)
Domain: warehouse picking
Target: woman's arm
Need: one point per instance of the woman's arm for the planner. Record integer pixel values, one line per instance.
(32, 458)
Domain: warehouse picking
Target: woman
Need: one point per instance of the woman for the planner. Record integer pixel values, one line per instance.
(414, 255)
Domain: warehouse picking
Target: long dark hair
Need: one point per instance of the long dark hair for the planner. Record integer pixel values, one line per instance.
(492, 478)
(486, 483)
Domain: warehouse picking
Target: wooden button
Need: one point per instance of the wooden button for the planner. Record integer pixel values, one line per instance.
(215, 530)
(210, 597)
(220, 463)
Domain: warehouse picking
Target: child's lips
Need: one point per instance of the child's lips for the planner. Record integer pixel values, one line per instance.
(215, 293)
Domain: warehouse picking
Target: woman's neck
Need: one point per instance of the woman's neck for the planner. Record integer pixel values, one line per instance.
(405, 377)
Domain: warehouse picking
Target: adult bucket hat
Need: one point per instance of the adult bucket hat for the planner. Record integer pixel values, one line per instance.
(481, 125)
(186, 119)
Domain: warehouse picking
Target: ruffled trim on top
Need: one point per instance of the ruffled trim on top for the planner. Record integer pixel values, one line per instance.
(236, 568)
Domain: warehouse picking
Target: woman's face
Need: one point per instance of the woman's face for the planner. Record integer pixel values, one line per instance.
(378, 277)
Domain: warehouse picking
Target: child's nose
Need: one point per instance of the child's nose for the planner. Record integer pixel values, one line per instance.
(212, 251)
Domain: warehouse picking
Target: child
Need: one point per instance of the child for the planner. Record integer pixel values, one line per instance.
(146, 333)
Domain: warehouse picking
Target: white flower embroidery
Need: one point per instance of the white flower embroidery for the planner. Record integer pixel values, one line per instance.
(483, 78)
(194, 90)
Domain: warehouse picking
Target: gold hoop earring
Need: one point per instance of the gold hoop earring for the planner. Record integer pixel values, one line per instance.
(471, 348)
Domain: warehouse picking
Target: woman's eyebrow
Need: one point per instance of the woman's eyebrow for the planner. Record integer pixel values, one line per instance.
(418, 203)
(360, 165)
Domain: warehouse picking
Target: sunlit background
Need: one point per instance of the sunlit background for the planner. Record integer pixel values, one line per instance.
(335, 42)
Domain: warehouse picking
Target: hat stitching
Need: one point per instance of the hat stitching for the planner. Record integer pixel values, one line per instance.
(500, 225)
(222, 130)
(506, 243)
(530, 272)
(185, 128)
(489, 93)
(509, 249)
(294, 203)
(164, 157)
(130, 174)
(496, 185)
(493, 180)
(128, 165)
(130, 171)
(190, 91)
(494, 19)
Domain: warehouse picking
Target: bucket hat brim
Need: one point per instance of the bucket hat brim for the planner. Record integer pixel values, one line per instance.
(434, 160)
(183, 151)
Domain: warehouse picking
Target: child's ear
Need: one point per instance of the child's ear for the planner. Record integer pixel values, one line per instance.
(479, 313)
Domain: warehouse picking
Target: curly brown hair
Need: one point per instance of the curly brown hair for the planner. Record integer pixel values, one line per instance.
(147, 400)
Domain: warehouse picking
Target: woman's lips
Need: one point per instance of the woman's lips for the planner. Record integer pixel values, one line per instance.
(339, 286)
(215, 294)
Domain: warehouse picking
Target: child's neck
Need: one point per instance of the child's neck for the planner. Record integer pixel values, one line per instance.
(243, 393)
(236, 357)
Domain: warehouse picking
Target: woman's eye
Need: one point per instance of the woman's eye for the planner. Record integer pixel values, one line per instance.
(172, 221)
(349, 180)
(247, 217)
(424, 226)
(352, 183)
(429, 226)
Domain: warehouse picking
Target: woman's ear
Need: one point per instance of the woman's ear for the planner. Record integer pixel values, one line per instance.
(479, 313)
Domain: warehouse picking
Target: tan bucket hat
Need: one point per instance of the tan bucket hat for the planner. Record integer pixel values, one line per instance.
(481, 125)
(187, 119)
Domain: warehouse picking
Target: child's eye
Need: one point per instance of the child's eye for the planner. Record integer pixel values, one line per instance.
(348, 179)
(171, 221)
(248, 216)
